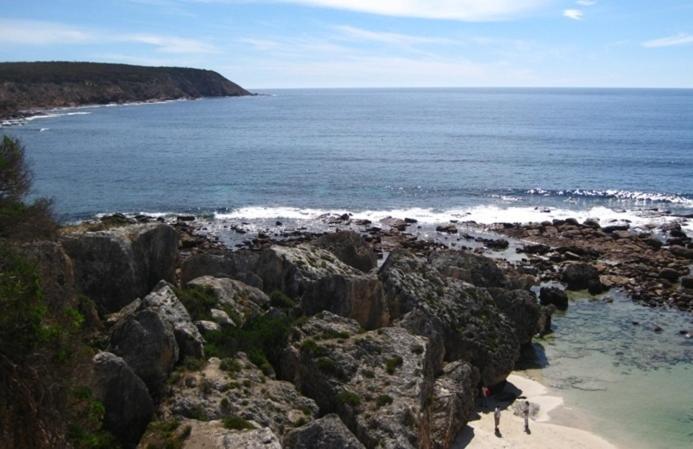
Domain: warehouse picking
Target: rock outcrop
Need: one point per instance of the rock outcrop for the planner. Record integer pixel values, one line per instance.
(553, 296)
(245, 301)
(452, 405)
(147, 343)
(581, 276)
(128, 406)
(461, 321)
(521, 308)
(113, 267)
(328, 432)
(196, 434)
(350, 248)
(163, 301)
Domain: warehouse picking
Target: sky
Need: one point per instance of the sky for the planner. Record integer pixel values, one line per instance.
(369, 43)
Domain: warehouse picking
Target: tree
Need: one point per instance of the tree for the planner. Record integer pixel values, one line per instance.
(18, 219)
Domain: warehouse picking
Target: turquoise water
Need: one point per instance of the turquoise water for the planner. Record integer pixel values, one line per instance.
(634, 385)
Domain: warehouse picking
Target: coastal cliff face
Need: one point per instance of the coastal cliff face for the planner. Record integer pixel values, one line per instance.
(31, 85)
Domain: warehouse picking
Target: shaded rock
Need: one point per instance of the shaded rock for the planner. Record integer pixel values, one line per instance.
(680, 251)
(553, 296)
(237, 265)
(128, 407)
(206, 327)
(328, 432)
(222, 318)
(115, 266)
(350, 248)
(579, 276)
(246, 301)
(687, 282)
(147, 343)
(447, 228)
(452, 406)
(478, 270)
(544, 323)
(395, 223)
(535, 249)
(379, 382)
(236, 387)
(56, 275)
(669, 274)
(461, 322)
(165, 303)
(496, 244)
(521, 308)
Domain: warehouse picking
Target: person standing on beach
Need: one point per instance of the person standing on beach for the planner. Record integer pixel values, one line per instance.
(525, 414)
(496, 419)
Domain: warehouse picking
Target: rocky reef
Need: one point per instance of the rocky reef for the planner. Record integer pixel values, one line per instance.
(289, 344)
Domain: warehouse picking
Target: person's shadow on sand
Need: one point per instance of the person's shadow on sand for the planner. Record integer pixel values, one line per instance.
(498, 433)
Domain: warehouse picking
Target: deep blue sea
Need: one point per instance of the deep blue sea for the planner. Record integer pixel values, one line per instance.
(485, 153)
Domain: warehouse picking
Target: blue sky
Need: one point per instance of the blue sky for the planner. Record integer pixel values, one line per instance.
(369, 43)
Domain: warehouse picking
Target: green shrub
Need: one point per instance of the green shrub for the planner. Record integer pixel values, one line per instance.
(392, 364)
(383, 400)
(279, 299)
(347, 397)
(197, 301)
(234, 422)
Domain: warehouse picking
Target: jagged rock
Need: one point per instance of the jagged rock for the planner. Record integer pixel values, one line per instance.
(521, 308)
(554, 296)
(379, 382)
(128, 407)
(580, 276)
(236, 387)
(196, 434)
(328, 432)
(246, 301)
(537, 248)
(350, 248)
(462, 322)
(115, 266)
(395, 223)
(544, 323)
(222, 318)
(669, 274)
(680, 251)
(165, 303)
(454, 395)
(323, 282)
(147, 343)
(478, 270)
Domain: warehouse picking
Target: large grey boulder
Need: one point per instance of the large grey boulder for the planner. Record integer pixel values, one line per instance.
(350, 248)
(236, 265)
(323, 282)
(521, 308)
(164, 302)
(462, 322)
(328, 432)
(468, 267)
(379, 382)
(147, 343)
(56, 273)
(128, 406)
(245, 301)
(115, 266)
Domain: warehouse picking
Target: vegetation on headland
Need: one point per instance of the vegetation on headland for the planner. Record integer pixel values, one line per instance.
(31, 85)
(43, 400)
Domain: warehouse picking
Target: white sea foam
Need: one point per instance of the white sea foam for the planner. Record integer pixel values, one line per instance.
(627, 195)
(55, 114)
(487, 214)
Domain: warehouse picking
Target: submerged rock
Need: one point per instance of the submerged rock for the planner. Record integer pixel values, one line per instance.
(115, 266)
(553, 296)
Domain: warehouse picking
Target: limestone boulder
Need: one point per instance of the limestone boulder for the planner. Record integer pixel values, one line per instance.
(328, 432)
(350, 248)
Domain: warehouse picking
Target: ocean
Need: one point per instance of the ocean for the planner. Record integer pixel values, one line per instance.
(488, 155)
(435, 154)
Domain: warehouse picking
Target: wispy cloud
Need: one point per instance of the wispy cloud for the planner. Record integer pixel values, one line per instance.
(32, 32)
(464, 10)
(360, 34)
(574, 14)
(38, 33)
(669, 41)
(586, 2)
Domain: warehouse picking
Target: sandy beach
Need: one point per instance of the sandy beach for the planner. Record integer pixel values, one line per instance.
(479, 433)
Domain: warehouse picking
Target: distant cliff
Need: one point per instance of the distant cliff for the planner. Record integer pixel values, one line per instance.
(32, 85)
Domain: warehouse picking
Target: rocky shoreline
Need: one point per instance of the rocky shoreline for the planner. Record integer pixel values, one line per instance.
(374, 335)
